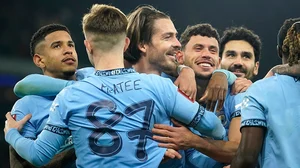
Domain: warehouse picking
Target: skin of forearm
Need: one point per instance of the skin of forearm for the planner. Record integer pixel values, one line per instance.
(227, 146)
(17, 161)
(242, 162)
(58, 160)
(288, 70)
(221, 151)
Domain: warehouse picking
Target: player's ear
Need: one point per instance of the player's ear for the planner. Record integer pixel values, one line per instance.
(142, 47)
(127, 42)
(256, 67)
(39, 61)
(179, 57)
(88, 47)
(279, 51)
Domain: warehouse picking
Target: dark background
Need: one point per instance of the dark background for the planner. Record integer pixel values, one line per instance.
(20, 19)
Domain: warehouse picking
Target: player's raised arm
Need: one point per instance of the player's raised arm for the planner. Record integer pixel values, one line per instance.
(41, 85)
(189, 112)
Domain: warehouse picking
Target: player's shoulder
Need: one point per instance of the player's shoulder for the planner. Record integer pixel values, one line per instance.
(27, 104)
(31, 98)
(73, 92)
(234, 99)
(155, 78)
(270, 82)
(84, 72)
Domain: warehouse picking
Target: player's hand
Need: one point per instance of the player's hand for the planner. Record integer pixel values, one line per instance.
(11, 123)
(228, 166)
(240, 85)
(171, 154)
(176, 138)
(216, 91)
(186, 82)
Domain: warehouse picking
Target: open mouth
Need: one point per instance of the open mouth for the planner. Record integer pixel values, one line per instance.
(171, 55)
(205, 64)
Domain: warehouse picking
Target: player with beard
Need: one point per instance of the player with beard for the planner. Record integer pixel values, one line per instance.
(152, 49)
(110, 114)
(240, 51)
(239, 57)
(270, 110)
(200, 51)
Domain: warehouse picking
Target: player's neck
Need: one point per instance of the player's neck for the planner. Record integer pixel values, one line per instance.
(108, 60)
(201, 87)
(143, 66)
(61, 75)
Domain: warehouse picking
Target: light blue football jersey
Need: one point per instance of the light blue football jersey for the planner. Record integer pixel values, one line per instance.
(110, 115)
(196, 159)
(273, 103)
(230, 110)
(38, 107)
(42, 85)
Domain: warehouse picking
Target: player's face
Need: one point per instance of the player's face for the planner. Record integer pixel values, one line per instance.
(59, 55)
(238, 57)
(164, 44)
(201, 53)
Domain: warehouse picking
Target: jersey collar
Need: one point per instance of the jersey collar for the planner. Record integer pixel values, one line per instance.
(112, 72)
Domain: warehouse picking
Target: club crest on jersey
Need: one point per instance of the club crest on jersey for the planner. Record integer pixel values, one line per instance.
(222, 117)
(186, 96)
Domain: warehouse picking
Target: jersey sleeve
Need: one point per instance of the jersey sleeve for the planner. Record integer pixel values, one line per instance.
(38, 152)
(20, 110)
(58, 113)
(183, 109)
(230, 76)
(253, 107)
(41, 85)
(235, 105)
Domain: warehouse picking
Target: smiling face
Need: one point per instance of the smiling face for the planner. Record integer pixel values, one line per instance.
(56, 55)
(163, 46)
(201, 53)
(238, 57)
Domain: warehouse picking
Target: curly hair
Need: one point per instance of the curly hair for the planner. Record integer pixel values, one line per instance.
(284, 29)
(291, 44)
(203, 29)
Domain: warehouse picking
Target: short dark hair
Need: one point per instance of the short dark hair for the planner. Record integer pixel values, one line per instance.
(284, 29)
(203, 29)
(43, 32)
(241, 33)
(140, 29)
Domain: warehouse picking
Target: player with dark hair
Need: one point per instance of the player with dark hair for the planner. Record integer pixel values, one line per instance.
(284, 69)
(270, 110)
(53, 51)
(110, 113)
(240, 51)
